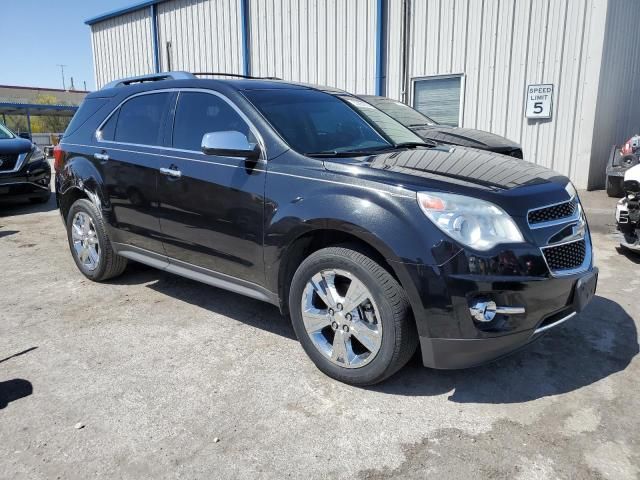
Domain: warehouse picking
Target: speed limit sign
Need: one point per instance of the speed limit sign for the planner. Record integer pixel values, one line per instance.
(539, 100)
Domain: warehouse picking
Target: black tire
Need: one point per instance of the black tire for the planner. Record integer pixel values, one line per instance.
(110, 264)
(399, 337)
(41, 198)
(614, 187)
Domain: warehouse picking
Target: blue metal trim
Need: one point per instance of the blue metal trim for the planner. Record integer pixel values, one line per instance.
(37, 106)
(122, 11)
(381, 7)
(154, 38)
(246, 50)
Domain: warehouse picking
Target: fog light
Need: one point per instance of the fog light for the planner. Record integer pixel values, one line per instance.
(486, 310)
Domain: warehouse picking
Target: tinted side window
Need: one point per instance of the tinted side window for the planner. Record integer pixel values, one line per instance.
(199, 113)
(141, 119)
(87, 108)
(108, 130)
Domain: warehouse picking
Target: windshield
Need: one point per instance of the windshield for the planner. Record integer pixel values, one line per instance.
(5, 133)
(391, 128)
(311, 121)
(401, 112)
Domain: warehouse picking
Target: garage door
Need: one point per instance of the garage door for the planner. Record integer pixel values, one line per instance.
(438, 98)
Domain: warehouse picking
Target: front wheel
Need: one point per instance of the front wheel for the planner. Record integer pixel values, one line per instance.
(351, 316)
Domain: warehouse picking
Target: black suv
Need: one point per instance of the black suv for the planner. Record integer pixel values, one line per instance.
(429, 129)
(24, 171)
(370, 239)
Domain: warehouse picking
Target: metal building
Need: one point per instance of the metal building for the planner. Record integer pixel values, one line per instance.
(465, 62)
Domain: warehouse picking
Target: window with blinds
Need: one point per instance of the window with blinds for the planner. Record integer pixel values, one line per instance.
(439, 98)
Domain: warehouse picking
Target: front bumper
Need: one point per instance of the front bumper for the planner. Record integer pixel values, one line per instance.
(451, 338)
(31, 181)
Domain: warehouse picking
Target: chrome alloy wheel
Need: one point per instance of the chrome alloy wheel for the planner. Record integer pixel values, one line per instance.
(85, 241)
(341, 318)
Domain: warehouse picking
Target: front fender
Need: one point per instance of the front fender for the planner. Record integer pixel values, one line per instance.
(392, 225)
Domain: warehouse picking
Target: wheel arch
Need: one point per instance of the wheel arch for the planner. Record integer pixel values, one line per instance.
(315, 239)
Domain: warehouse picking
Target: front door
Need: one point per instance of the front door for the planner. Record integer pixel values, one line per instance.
(130, 147)
(211, 207)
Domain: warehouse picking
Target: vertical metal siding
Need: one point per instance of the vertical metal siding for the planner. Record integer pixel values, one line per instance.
(618, 111)
(122, 46)
(501, 46)
(330, 42)
(205, 35)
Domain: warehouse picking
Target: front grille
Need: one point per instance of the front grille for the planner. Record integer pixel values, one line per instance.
(554, 212)
(8, 162)
(567, 256)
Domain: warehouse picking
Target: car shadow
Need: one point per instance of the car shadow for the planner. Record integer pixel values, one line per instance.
(599, 342)
(238, 307)
(13, 390)
(11, 208)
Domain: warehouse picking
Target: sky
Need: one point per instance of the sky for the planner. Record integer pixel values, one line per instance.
(37, 35)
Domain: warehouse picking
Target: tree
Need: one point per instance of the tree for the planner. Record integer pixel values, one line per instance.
(47, 123)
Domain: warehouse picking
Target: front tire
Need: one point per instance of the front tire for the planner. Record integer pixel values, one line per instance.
(90, 245)
(351, 316)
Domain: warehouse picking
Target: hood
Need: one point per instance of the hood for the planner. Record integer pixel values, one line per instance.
(442, 166)
(15, 146)
(467, 137)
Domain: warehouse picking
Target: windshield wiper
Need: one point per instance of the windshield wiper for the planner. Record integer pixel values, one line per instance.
(335, 153)
(415, 144)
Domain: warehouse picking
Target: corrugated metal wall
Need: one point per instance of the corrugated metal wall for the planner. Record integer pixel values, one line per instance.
(501, 46)
(618, 112)
(329, 42)
(498, 46)
(122, 46)
(205, 35)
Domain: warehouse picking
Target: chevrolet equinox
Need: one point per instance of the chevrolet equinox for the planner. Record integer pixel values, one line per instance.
(372, 240)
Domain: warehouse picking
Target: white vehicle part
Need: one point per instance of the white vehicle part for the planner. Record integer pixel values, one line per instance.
(633, 173)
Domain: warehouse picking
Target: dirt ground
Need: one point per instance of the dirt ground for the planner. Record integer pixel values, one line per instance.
(155, 376)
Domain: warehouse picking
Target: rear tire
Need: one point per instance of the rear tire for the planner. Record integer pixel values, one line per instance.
(614, 187)
(364, 295)
(90, 245)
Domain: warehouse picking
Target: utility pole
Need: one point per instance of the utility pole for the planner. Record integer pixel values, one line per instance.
(64, 86)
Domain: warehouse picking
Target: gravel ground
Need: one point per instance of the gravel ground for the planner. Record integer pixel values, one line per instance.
(152, 375)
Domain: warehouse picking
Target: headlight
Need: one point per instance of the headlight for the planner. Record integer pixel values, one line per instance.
(478, 224)
(35, 155)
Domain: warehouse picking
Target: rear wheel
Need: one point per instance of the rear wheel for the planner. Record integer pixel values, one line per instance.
(351, 316)
(614, 187)
(90, 244)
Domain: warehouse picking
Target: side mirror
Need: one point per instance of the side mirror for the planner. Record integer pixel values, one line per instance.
(230, 144)
(25, 135)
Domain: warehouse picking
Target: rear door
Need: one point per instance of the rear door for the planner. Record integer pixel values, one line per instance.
(132, 142)
(211, 207)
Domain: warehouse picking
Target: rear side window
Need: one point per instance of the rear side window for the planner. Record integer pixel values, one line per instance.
(199, 113)
(86, 110)
(141, 119)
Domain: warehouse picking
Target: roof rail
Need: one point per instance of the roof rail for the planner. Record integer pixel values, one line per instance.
(152, 77)
(237, 75)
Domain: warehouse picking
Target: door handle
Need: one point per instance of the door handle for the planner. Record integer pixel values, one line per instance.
(171, 172)
(103, 157)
